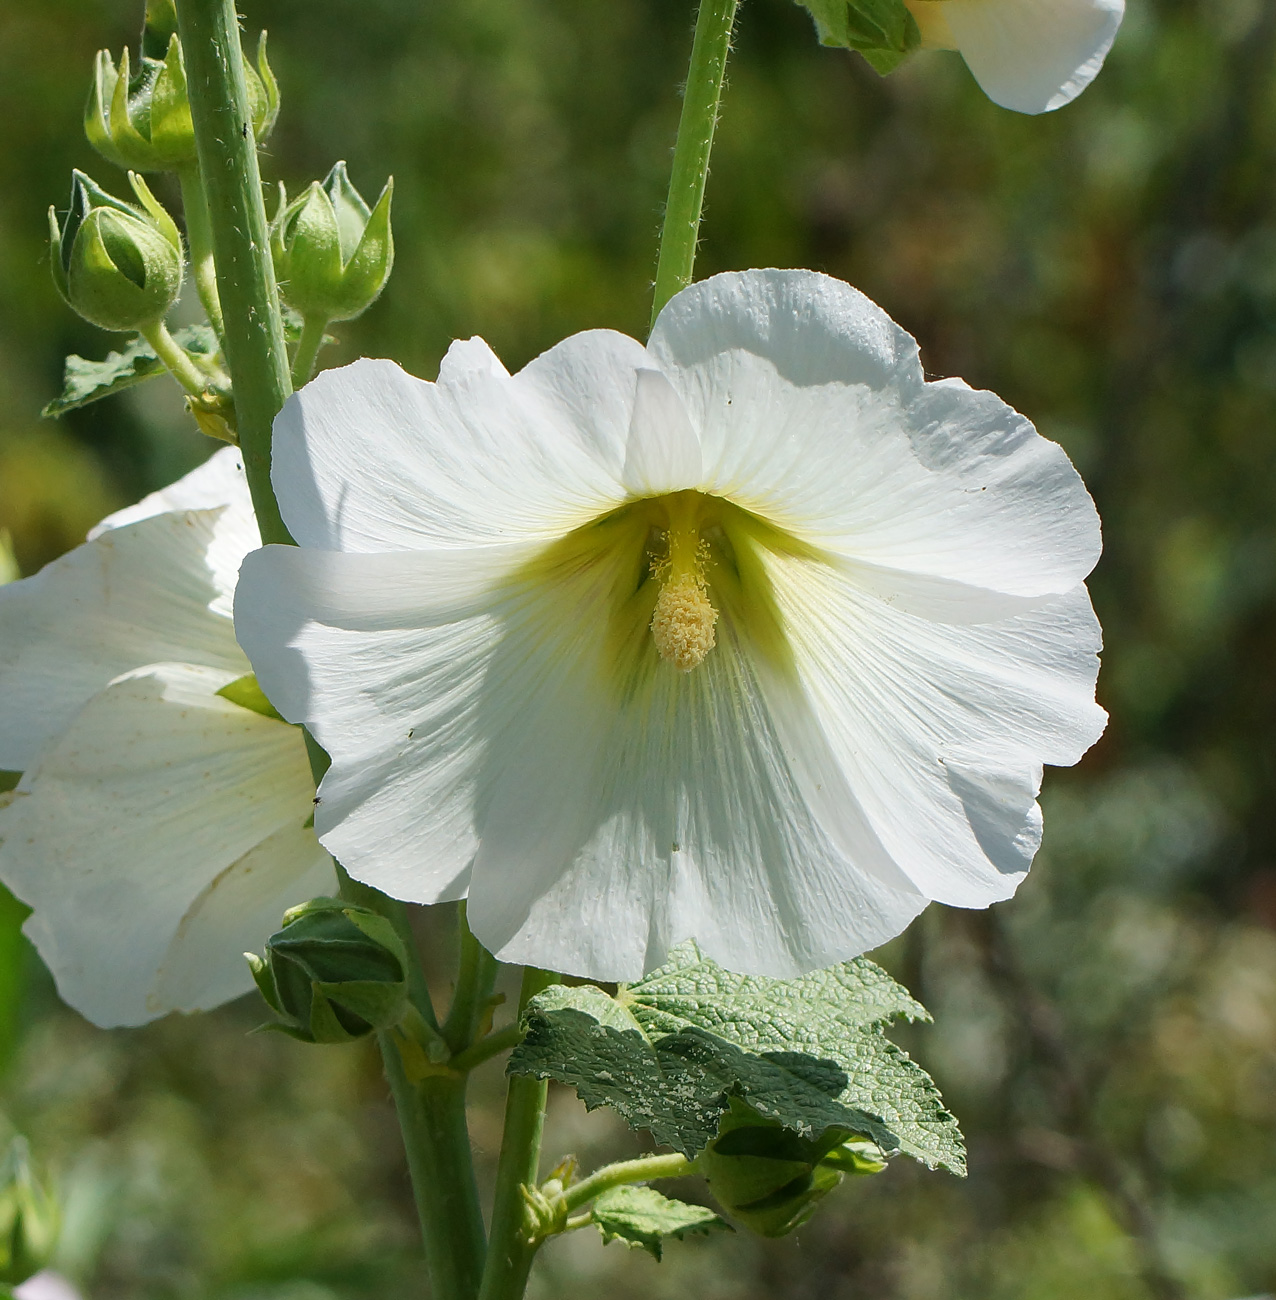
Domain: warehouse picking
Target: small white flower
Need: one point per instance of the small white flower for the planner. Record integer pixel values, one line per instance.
(159, 828)
(1029, 55)
(749, 636)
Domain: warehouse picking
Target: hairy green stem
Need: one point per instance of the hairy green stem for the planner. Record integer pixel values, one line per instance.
(255, 352)
(681, 230)
(432, 1113)
(432, 1117)
(199, 237)
(474, 983)
(174, 357)
(510, 1251)
(498, 1041)
(308, 345)
(642, 1170)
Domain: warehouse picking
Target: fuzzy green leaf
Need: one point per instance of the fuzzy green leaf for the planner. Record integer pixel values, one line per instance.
(670, 1051)
(640, 1216)
(87, 381)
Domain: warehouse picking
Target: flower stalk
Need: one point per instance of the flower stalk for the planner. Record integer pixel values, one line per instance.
(175, 358)
(199, 240)
(680, 232)
(240, 238)
(511, 1248)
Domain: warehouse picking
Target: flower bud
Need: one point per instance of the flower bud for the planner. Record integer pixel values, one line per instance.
(143, 121)
(332, 254)
(335, 972)
(770, 1178)
(29, 1218)
(118, 265)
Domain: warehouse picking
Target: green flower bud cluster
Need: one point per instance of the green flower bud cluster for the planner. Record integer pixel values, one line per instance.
(117, 264)
(770, 1178)
(29, 1218)
(334, 972)
(333, 254)
(142, 120)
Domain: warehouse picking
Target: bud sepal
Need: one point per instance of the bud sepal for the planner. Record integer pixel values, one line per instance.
(116, 264)
(142, 120)
(335, 972)
(770, 1178)
(333, 254)
(29, 1218)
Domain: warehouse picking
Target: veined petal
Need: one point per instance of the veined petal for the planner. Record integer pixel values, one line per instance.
(147, 592)
(1034, 55)
(219, 481)
(844, 445)
(662, 453)
(396, 806)
(480, 458)
(938, 730)
(623, 806)
(155, 839)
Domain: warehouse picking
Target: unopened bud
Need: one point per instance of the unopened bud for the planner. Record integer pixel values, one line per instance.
(118, 265)
(333, 255)
(143, 121)
(29, 1218)
(770, 1178)
(334, 973)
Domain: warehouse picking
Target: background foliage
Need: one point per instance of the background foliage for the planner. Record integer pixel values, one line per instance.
(1108, 1038)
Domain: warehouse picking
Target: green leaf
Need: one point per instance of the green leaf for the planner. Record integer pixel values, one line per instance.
(882, 30)
(640, 1216)
(245, 692)
(670, 1051)
(87, 381)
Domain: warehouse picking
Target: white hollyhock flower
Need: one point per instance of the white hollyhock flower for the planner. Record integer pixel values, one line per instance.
(1029, 55)
(159, 829)
(749, 636)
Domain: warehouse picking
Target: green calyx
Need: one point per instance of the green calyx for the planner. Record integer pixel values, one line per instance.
(29, 1218)
(883, 31)
(142, 120)
(117, 264)
(334, 972)
(333, 254)
(770, 1178)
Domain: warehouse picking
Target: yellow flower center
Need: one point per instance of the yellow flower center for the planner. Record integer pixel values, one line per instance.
(682, 624)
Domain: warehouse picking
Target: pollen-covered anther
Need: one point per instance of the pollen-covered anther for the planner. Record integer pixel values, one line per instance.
(682, 625)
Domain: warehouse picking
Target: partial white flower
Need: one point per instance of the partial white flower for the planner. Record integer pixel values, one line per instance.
(159, 828)
(1028, 55)
(749, 636)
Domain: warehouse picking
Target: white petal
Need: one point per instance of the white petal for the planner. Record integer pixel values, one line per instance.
(813, 414)
(662, 453)
(137, 838)
(156, 590)
(939, 731)
(219, 481)
(1034, 55)
(621, 815)
(465, 356)
(367, 458)
(396, 807)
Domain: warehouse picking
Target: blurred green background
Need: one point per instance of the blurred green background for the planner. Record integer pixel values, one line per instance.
(1109, 1037)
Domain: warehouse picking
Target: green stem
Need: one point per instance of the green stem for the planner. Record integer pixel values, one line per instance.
(432, 1118)
(642, 1170)
(474, 983)
(499, 1040)
(510, 1252)
(255, 352)
(199, 236)
(308, 345)
(173, 355)
(681, 230)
